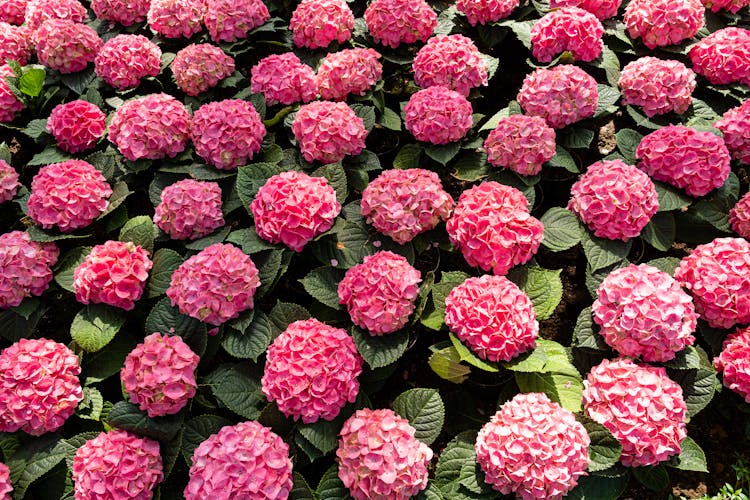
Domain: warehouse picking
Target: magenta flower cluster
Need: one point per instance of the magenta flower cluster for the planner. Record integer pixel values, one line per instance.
(39, 11)
(393, 22)
(486, 11)
(77, 125)
(9, 103)
(438, 115)
(660, 23)
(739, 217)
(723, 57)
(231, 20)
(199, 67)
(317, 23)
(521, 143)
(451, 61)
(657, 85)
(25, 267)
(8, 182)
(283, 78)
(729, 5)
(15, 43)
(126, 59)
(189, 209)
(5, 485)
(66, 46)
(734, 362)
(349, 71)
(176, 18)
(603, 9)
(568, 29)
(328, 131)
(125, 12)
(735, 126)
(13, 11)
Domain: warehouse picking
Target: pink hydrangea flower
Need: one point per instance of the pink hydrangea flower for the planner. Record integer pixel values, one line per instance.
(393, 22)
(311, 371)
(686, 158)
(293, 208)
(189, 209)
(493, 228)
(739, 217)
(245, 460)
(39, 386)
(723, 57)
(69, 195)
(734, 362)
(735, 125)
(328, 131)
(283, 78)
(438, 115)
(380, 293)
(230, 20)
(494, 317)
(150, 127)
(39, 11)
(451, 61)
(349, 71)
(561, 95)
(602, 9)
(5, 485)
(717, 275)
(13, 11)
(117, 464)
(659, 86)
(159, 374)
(25, 267)
(569, 29)
(404, 203)
(15, 43)
(176, 18)
(732, 6)
(534, 448)
(214, 285)
(660, 23)
(125, 59)
(66, 46)
(521, 143)
(199, 67)
(77, 125)
(9, 103)
(8, 182)
(124, 12)
(228, 133)
(641, 406)
(486, 11)
(317, 23)
(379, 457)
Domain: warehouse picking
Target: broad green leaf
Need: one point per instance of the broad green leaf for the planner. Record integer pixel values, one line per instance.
(660, 231)
(446, 363)
(495, 119)
(109, 360)
(49, 155)
(471, 167)
(217, 236)
(564, 159)
(585, 332)
(561, 388)
(95, 326)
(431, 492)
(698, 387)
(321, 434)
(466, 354)
(141, 231)
(595, 487)
(167, 320)
(408, 156)
(300, 489)
(249, 241)
(284, 313)
(90, 408)
(691, 458)
(36, 128)
(336, 177)
(120, 192)
(543, 286)
(604, 450)
(607, 102)
(31, 81)
(670, 198)
(390, 120)
(653, 477)
(331, 487)
(253, 342)
(666, 264)
(165, 262)
(424, 410)
(442, 153)
(42, 236)
(322, 285)
(458, 454)
(379, 351)
(127, 416)
(33, 460)
(576, 138)
(627, 142)
(251, 177)
(562, 229)
(367, 113)
(601, 252)
(197, 430)
(80, 81)
(238, 389)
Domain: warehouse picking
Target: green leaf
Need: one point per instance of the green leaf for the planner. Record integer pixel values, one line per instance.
(33, 460)
(660, 231)
(108, 361)
(323, 435)
(300, 489)
(627, 142)
(670, 198)
(585, 333)
(284, 313)
(5, 154)
(80, 81)
(446, 363)
(390, 120)
(168, 320)
(408, 156)
(42, 236)
(217, 236)
(336, 177)
(95, 326)
(431, 492)
(595, 487)
(543, 286)
(238, 389)
(450, 469)
(36, 128)
(446, 21)
(607, 103)
(90, 408)
(127, 416)
(466, 354)
(31, 82)
(251, 178)
(253, 342)
(471, 167)
(522, 30)
(367, 113)
(49, 155)
(440, 290)
(141, 231)
(690, 458)
(249, 241)
(562, 229)
(379, 351)
(654, 478)
(165, 262)
(120, 192)
(604, 450)
(576, 138)
(495, 119)
(698, 387)
(424, 410)
(442, 153)
(561, 388)
(666, 264)
(199, 429)
(564, 159)
(331, 487)
(322, 285)
(601, 252)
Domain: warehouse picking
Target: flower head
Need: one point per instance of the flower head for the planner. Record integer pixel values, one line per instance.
(660, 23)
(77, 125)
(438, 115)
(567, 29)
(317, 23)
(349, 71)
(283, 78)
(8, 182)
(561, 95)
(124, 12)
(735, 125)
(739, 217)
(486, 11)
(231, 20)
(393, 22)
(199, 67)
(15, 43)
(13, 12)
(39, 11)
(657, 85)
(176, 18)
(328, 131)
(189, 209)
(603, 9)
(126, 59)
(5, 485)
(9, 103)
(521, 143)
(65, 45)
(728, 5)
(25, 267)
(451, 61)
(723, 57)
(734, 362)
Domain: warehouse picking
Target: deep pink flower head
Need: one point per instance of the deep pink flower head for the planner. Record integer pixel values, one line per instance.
(15, 43)
(723, 57)
(245, 460)
(602, 9)
(438, 115)
(393, 22)
(214, 285)
(25, 267)
(8, 182)
(311, 371)
(735, 125)
(686, 158)
(734, 362)
(739, 217)
(13, 11)
(380, 293)
(641, 406)
(39, 386)
(5, 485)
(198, 67)
(283, 78)
(404, 203)
(9, 103)
(644, 313)
(534, 448)
(39, 11)
(379, 457)
(317, 23)
(328, 131)
(230, 20)
(189, 209)
(349, 71)
(493, 228)
(228, 133)
(660, 23)
(567, 29)
(293, 208)
(561, 95)
(77, 125)
(614, 199)
(117, 465)
(717, 275)
(729, 5)
(125, 12)
(69, 195)
(658, 86)
(151, 127)
(125, 59)
(176, 18)
(159, 374)
(494, 317)
(521, 143)
(451, 61)
(114, 273)
(486, 11)
(66, 46)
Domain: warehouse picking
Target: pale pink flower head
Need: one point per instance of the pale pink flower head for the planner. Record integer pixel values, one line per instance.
(561, 95)
(602, 9)
(150, 127)
(293, 208)
(694, 160)
(176, 18)
(438, 115)
(5, 485)
(728, 5)
(13, 11)
(380, 293)
(379, 457)
(739, 217)
(494, 317)
(77, 125)
(39, 386)
(25, 267)
(15, 43)
(660, 23)
(486, 11)
(349, 71)
(393, 22)
(451, 61)
(214, 285)
(66, 46)
(723, 57)
(231, 20)
(317, 23)
(189, 209)
(493, 228)
(283, 78)
(521, 143)
(126, 59)
(404, 203)
(69, 195)
(8, 182)
(311, 371)
(39, 11)
(199, 67)
(717, 275)
(246, 460)
(9, 103)
(534, 448)
(657, 85)
(567, 29)
(228, 133)
(117, 465)
(328, 131)
(124, 12)
(735, 125)
(734, 362)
